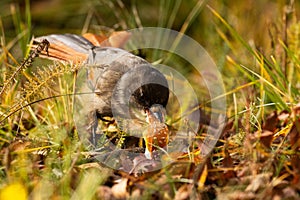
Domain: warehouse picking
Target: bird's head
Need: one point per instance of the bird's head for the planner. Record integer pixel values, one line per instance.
(141, 91)
(156, 114)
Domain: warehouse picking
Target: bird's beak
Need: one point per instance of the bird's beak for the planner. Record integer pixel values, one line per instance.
(156, 114)
(157, 132)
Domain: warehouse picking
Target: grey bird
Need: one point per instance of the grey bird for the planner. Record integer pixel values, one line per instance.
(122, 84)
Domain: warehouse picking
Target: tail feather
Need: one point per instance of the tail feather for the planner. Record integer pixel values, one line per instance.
(69, 48)
(75, 49)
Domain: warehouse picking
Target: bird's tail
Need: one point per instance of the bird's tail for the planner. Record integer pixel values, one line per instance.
(74, 48)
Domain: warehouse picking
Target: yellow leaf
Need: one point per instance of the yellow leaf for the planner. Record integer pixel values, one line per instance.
(15, 191)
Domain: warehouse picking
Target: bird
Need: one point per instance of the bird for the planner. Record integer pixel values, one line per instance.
(119, 80)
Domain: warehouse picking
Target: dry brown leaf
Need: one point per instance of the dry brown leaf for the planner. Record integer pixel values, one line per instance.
(95, 39)
(116, 39)
(284, 116)
(265, 137)
(228, 163)
(227, 130)
(230, 128)
(294, 136)
(295, 161)
(296, 182)
(119, 38)
(271, 122)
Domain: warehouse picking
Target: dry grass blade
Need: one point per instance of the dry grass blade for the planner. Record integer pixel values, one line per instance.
(25, 64)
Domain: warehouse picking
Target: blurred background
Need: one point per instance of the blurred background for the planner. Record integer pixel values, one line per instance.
(252, 19)
(262, 26)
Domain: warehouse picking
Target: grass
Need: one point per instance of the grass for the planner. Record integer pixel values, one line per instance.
(256, 157)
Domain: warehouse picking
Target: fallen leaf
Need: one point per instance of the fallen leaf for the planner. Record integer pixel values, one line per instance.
(14, 191)
(265, 137)
(228, 163)
(116, 39)
(284, 116)
(271, 122)
(294, 136)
